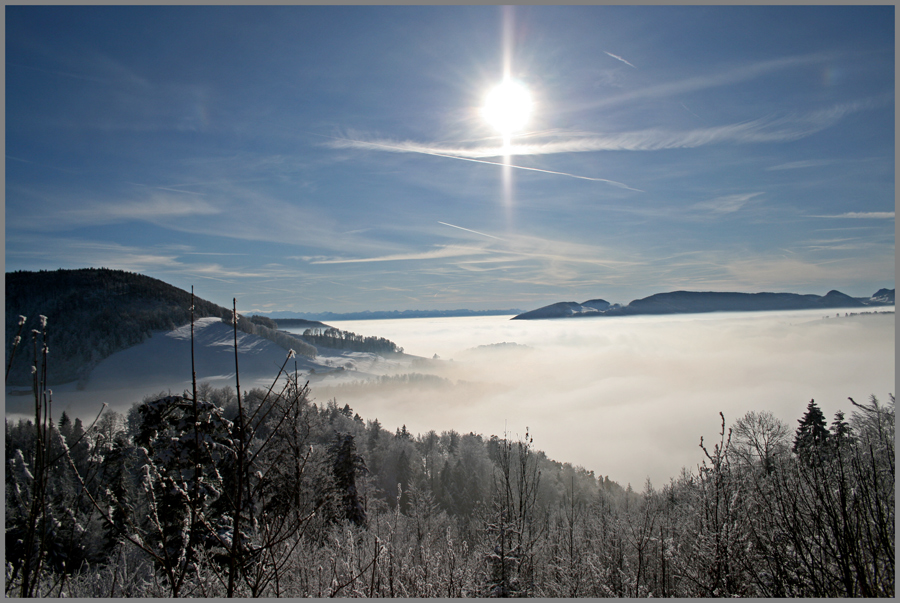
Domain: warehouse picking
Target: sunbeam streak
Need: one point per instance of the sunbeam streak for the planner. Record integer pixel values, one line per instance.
(512, 107)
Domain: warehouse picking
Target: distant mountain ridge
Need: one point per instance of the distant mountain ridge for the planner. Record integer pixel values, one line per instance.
(282, 317)
(883, 296)
(688, 302)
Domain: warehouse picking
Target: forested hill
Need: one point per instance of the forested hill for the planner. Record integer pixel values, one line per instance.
(345, 340)
(295, 323)
(95, 312)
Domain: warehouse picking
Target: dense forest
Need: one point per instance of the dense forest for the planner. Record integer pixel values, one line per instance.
(96, 312)
(345, 340)
(222, 492)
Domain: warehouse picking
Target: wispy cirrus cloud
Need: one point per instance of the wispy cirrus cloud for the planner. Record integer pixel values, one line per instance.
(518, 260)
(273, 218)
(845, 246)
(703, 82)
(470, 230)
(798, 273)
(70, 252)
(443, 251)
(52, 210)
(797, 165)
(787, 128)
(618, 58)
(565, 252)
(865, 215)
(460, 154)
(154, 208)
(61, 252)
(726, 204)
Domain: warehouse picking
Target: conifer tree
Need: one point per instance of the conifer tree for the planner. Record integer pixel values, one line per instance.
(404, 471)
(65, 427)
(812, 431)
(840, 429)
(345, 465)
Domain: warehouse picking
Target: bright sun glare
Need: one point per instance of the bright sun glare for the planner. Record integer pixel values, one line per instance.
(507, 107)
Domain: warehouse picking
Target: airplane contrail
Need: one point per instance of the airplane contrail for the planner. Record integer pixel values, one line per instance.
(618, 58)
(448, 156)
(470, 230)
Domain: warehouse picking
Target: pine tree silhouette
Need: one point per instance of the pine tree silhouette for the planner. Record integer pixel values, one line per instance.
(813, 430)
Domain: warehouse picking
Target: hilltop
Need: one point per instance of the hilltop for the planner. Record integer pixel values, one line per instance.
(93, 313)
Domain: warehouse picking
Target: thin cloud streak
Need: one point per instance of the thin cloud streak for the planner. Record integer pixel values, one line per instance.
(273, 218)
(470, 230)
(618, 58)
(78, 253)
(725, 78)
(347, 143)
(766, 130)
(50, 211)
(726, 204)
(441, 252)
(152, 209)
(796, 165)
(788, 128)
(175, 190)
(877, 215)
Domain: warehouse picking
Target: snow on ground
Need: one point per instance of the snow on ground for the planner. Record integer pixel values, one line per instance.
(163, 364)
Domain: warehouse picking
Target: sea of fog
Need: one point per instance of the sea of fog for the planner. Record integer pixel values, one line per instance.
(627, 397)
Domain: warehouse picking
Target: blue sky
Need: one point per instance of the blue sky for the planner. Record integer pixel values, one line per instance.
(336, 158)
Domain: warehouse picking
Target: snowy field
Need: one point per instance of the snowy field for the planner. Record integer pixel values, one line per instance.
(163, 364)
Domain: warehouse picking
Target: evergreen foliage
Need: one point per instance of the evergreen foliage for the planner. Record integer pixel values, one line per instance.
(813, 430)
(264, 321)
(346, 464)
(345, 340)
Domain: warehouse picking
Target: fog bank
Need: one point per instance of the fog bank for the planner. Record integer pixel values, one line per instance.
(627, 397)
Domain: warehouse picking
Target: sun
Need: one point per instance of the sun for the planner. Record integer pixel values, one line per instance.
(507, 107)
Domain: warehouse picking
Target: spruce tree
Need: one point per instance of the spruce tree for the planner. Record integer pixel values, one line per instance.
(812, 432)
(346, 464)
(404, 472)
(65, 427)
(840, 429)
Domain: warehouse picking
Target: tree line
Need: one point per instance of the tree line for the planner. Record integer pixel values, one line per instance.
(345, 340)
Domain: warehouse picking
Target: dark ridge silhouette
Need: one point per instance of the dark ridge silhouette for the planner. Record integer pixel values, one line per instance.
(283, 317)
(687, 302)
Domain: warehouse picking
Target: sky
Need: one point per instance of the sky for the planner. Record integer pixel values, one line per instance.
(338, 159)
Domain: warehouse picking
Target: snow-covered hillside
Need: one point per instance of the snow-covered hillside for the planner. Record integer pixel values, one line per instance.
(163, 363)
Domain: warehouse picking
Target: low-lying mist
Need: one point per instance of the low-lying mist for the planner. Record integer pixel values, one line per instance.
(627, 397)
